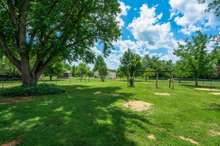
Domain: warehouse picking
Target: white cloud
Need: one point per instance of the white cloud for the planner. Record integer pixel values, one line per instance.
(192, 15)
(149, 32)
(124, 12)
(149, 35)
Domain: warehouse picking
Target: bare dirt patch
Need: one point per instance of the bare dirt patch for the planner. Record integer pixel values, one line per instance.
(207, 89)
(12, 143)
(78, 88)
(215, 93)
(138, 106)
(15, 100)
(151, 137)
(97, 92)
(115, 95)
(162, 94)
(192, 141)
(214, 133)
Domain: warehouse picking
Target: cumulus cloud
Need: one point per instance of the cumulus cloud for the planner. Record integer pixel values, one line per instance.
(192, 15)
(149, 32)
(124, 11)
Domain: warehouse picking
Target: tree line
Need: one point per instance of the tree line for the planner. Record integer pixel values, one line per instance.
(35, 35)
(196, 59)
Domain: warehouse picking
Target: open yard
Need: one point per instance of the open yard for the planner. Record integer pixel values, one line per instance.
(98, 113)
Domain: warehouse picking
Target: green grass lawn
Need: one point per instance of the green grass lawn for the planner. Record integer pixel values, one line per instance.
(81, 118)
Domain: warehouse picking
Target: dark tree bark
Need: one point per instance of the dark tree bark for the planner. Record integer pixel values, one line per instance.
(131, 82)
(196, 82)
(51, 78)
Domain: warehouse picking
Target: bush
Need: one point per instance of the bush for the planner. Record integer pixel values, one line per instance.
(41, 89)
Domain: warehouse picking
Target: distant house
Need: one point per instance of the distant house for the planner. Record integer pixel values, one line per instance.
(65, 75)
(111, 74)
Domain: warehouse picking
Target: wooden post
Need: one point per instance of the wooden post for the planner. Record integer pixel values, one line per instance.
(157, 76)
(170, 80)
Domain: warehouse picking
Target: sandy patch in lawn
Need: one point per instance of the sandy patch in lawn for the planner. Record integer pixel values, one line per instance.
(138, 106)
(12, 143)
(162, 94)
(115, 95)
(214, 133)
(207, 89)
(215, 93)
(151, 137)
(78, 88)
(97, 92)
(15, 100)
(192, 141)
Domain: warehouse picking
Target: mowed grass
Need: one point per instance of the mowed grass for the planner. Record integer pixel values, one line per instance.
(81, 118)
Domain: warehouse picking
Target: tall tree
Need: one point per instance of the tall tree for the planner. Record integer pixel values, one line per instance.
(216, 56)
(195, 56)
(101, 67)
(131, 65)
(162, 67)
(33, 33)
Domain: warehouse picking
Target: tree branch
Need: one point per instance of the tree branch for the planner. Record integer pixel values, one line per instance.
(8, 52)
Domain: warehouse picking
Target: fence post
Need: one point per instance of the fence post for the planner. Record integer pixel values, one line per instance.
(157, 76)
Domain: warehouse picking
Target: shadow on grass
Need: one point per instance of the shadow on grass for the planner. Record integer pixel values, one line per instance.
(200, 86)
(76, 118)
(214, 107)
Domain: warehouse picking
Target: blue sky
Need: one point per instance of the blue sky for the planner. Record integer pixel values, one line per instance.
(155, 27)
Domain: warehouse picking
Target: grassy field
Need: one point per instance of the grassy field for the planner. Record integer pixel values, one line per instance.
(82, 118)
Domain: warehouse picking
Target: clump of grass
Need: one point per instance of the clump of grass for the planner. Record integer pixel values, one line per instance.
(41, 89)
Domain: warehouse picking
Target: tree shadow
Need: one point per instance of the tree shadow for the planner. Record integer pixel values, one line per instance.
(77, 118)
(200, 86)
(213, 107)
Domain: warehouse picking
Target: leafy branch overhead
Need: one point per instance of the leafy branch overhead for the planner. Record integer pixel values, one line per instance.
(34, 33)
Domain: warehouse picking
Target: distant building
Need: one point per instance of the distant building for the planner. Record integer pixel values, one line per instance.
(111, 74)
(66, 75)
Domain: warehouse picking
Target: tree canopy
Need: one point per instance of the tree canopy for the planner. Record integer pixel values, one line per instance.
(131, 66)
(82, 70)
(101, 67)
(34, 33)
(194, 56)
(55, 69)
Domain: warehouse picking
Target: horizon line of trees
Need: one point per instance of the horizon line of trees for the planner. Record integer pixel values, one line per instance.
(195, 61)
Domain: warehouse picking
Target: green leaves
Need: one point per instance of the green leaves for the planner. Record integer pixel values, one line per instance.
(195, 60)
(131, 63)
(101, 67)
(41, 31)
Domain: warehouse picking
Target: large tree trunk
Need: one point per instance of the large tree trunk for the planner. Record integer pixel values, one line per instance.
(51, 78)
(30, 80)
(131, 82)
(30, 77)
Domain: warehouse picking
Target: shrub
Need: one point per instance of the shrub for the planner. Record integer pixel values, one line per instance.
(41, 89)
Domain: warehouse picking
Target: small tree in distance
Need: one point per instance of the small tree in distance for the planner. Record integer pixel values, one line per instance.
(148, 72)
(131, 65)
(54, 70)
(101, 67)
(82, 70)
